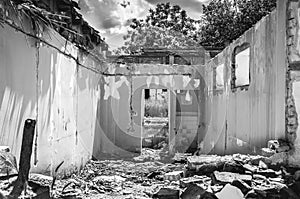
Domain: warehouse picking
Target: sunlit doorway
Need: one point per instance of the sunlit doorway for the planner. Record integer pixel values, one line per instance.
(155, 134)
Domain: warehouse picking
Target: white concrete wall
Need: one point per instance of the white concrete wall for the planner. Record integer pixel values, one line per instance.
(43, 84)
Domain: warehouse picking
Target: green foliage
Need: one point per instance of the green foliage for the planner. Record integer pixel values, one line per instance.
(226, 20)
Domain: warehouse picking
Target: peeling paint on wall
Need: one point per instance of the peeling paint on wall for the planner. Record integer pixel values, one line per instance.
(243, 120)
(48, 88)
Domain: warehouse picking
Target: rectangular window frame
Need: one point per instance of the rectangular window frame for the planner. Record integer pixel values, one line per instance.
(236, 51)
(218, 89)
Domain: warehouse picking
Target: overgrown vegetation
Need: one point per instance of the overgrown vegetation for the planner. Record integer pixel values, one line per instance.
(169, 26)
(156, 108)
(226, 20)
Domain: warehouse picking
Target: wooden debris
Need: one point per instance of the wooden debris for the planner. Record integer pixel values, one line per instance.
(25, 157)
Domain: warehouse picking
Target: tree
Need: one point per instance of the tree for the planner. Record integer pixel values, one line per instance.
(154, 37)
(225, 20)
(165, 26)
(169, 17)
(169, 26)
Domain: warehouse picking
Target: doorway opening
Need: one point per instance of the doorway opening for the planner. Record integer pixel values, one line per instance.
(155, 133)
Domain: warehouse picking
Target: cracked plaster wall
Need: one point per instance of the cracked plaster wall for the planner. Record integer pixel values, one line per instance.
(293, 82)
(43, 84)
(122, 124)
(243, 120)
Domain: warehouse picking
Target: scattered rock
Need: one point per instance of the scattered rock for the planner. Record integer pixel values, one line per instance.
(175, 175)
(273, 144)
(244, 187)
(5, 149)
(286, 192)
(237, 175)
(262, 165)
(297, 175)
(8, 164)
(167, 193)
(283, 149)
(251, 168)
(296, 188)
(109, 179)
(194, 191)
(40, 179)
(228, 177)
(230, 192)
(251, 195)
(267, 152)
(184, 182)
(267, 173)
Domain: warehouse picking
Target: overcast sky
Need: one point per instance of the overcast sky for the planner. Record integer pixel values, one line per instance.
(112, 17)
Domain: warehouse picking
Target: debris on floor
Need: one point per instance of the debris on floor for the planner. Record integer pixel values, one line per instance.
(185, 176)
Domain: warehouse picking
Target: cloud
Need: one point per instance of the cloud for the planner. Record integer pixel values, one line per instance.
(110, 22)
(193, 7)
(107, 14)
(112, 19)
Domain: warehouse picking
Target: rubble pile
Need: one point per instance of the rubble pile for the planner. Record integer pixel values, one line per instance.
(185, 176)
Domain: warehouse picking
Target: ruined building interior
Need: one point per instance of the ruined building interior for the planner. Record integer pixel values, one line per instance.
(221, 124)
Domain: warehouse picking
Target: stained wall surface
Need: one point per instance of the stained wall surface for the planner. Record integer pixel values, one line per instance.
(42, 83)
(230, 120)
(242, 120)
(293, 82)
(121, 103)
(81, 113)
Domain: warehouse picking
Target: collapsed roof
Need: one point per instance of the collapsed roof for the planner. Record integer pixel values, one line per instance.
(63, 16)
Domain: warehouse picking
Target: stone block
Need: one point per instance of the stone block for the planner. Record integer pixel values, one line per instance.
(290, 41)
(231, 192)
(267, 172)
(194, 191)
(228, 177)
(175, 175)
(273, 144)
(251, 168)
(244, 187)
(8, 164)
(267, 152)
(184, 182)
(288, 193)
(296, 188)
(167, 193)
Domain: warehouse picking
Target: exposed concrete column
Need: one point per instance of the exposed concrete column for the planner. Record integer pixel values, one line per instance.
(171, 59)
(293, 82)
